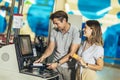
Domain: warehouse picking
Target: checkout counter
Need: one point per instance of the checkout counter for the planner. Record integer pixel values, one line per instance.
(16, 62)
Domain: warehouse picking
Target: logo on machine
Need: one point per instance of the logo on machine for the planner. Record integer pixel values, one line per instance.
(5, 57)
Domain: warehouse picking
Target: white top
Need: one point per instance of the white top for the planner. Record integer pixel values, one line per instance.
(91, 54)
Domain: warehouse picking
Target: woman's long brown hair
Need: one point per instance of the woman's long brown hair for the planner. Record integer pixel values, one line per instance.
(96, 36)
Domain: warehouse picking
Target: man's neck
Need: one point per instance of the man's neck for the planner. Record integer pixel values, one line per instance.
(67, 26)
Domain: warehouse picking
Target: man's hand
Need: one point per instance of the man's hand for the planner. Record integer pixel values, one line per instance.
(52, 65)
(39, 60)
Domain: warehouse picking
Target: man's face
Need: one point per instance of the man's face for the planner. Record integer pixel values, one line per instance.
(60, 25)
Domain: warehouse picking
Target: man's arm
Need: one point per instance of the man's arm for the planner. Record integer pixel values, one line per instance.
(47, 52)
(73, 49)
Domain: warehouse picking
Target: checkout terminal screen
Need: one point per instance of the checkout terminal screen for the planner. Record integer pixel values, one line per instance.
(25, 45)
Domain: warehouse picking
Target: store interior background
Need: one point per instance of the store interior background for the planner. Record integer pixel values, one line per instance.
(36, 23)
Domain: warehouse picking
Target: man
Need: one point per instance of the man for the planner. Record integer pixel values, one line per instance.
(64, 41)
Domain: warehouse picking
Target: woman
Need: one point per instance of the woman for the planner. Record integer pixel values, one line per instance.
(91, 52)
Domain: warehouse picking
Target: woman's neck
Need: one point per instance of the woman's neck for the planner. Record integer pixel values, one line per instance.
(87, 45)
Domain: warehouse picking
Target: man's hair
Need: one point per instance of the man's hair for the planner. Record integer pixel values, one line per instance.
(60, 15)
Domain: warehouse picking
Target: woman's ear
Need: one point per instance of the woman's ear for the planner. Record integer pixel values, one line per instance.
(93, 32)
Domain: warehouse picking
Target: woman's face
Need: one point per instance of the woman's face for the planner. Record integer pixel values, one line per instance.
(87, 31)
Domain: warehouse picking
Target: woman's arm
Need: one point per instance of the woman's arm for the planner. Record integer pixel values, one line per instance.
(98, 66)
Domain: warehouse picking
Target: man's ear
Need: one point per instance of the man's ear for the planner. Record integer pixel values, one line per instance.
(64, 20)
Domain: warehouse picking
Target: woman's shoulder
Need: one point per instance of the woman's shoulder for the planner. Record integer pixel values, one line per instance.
(99, 48)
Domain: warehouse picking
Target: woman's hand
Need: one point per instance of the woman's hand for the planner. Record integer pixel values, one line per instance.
(79, 59)
(82, 62)
(76, 57)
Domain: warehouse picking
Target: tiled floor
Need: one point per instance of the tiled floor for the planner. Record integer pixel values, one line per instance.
(109, 73)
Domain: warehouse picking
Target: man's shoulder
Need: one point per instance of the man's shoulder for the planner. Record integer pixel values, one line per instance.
(74, 27)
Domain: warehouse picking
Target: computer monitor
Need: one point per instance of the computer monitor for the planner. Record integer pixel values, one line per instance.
(25, 46)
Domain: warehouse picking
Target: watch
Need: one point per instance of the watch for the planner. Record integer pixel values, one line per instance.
(86, 66)
(58, 63)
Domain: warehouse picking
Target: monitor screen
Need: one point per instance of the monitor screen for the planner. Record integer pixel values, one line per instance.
(25, 45)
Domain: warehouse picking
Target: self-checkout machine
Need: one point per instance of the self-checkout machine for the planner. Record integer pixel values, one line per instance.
(17, 62)
(13, 66)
